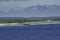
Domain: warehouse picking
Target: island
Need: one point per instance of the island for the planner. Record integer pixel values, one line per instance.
(30, 21)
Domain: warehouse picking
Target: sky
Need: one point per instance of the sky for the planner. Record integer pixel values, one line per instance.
(26, 3)
(6, 4)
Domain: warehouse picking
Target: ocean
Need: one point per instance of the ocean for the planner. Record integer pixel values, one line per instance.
(31, 32)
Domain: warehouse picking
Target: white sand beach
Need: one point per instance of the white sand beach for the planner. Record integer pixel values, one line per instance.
(26, 23)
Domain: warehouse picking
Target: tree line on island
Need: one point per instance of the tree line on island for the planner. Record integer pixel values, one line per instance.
(28, 20)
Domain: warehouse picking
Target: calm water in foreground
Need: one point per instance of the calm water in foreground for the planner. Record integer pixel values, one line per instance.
(27, 32)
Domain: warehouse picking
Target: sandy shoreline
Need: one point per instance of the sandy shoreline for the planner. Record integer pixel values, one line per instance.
(30, 23)
(10, 24)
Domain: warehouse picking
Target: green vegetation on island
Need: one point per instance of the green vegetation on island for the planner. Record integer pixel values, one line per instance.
(29, 20)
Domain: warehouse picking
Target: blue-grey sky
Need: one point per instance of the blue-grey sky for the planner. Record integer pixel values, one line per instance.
(26, 3)
(6, 5)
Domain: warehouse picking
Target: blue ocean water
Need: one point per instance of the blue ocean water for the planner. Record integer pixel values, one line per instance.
(31, 32)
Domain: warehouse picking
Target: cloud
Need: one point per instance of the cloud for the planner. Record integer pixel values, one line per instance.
(28, 3)
(19, 0)
(33, 11)
(10, 0)
(22, 3)
(4, 0)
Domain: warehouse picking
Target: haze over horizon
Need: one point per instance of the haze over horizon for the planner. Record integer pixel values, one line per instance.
(29, 8)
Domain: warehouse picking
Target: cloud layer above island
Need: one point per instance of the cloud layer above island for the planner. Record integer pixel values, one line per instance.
(12, 4)
(26, 3)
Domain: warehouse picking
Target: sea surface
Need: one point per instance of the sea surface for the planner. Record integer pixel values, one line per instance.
(30, 32)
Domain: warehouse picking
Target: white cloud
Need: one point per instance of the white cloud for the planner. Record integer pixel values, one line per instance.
(22, 4)
(11, 0)
(29, 3)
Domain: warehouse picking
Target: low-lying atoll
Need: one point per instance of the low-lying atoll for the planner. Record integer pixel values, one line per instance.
(28, 21)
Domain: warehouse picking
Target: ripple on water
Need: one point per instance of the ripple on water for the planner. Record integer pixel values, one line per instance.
(31, 32)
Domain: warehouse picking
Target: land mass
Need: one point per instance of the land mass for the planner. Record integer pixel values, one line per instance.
(31, 20)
